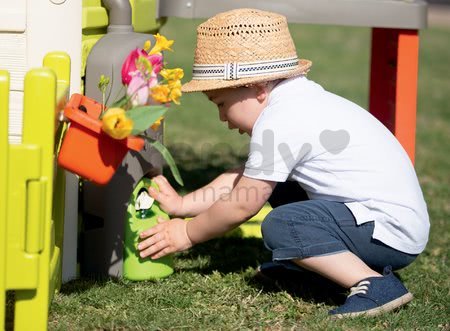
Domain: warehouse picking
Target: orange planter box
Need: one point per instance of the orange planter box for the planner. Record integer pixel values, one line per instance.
(88, 151)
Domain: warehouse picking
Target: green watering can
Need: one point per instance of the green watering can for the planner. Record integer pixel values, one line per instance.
(142, 213)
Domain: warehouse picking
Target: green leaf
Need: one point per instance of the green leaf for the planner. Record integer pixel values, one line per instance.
(143, 117)
(119, 103)
(167, 156)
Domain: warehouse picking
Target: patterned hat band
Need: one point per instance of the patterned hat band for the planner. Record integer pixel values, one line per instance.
(236, 70)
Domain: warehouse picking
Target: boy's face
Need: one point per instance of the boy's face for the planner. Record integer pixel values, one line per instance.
(240, 107)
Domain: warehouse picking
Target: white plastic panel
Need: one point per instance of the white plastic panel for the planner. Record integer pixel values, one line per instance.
(13, 57)
(15, 117)
(29, 29)
(13, 15)
(55, 27)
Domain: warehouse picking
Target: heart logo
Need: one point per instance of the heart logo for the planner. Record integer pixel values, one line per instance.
(334, 141)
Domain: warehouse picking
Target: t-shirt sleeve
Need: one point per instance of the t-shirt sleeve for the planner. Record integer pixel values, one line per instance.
(275, 151)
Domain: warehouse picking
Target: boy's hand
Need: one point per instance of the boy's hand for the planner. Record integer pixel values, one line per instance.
(167, 237)
(169, 200)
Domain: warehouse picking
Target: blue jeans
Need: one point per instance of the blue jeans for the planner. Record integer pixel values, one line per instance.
(302, 229)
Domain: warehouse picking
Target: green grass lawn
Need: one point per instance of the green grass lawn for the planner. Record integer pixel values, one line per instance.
(214, 286)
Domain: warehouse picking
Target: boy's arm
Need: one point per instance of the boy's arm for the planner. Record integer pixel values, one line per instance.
(244, 201)
(200, 200)
(196, 202)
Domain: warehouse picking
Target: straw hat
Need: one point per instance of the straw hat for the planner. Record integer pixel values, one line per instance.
(243, 46)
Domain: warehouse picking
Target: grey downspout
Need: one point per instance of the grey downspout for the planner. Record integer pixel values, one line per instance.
(105, 207)
(119, 15)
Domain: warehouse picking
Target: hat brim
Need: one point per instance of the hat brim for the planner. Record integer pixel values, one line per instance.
(213, 84)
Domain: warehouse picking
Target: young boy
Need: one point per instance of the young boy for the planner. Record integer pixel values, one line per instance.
(356, 206)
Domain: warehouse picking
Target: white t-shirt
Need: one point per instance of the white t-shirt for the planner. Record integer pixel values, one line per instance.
(338, 151)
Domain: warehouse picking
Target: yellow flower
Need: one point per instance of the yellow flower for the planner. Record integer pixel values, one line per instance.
(162, 44)
(175, 95)
(147, 45)
(172, 74)
(175, 91)
(174, 84)
(160, 93)
(155, 126)
(116, 123)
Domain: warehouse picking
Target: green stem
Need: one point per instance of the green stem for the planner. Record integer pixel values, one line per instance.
(117, 94)
(103, 103)
(167, 157)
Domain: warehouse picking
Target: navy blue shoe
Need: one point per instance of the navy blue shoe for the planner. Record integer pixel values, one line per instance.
(373, 296)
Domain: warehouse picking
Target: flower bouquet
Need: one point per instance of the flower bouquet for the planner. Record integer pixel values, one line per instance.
(98, 138)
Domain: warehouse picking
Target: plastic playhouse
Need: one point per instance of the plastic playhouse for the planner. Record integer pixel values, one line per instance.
(32, 196)
(45, 217)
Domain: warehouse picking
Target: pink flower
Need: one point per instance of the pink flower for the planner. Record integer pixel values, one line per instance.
(157, 62)
(153, 80)
(138, 88)
(129, 65)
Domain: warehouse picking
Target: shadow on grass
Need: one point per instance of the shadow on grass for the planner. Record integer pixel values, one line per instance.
(227, 254)
(85, 283)
(305, 285)
(234, 254)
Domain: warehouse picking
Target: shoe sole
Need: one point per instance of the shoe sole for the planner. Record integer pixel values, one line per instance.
(391, 305)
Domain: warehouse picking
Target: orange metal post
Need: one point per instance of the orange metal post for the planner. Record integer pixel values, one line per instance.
(393, 82)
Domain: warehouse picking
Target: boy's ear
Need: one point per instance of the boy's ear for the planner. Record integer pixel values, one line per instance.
(261, 92)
